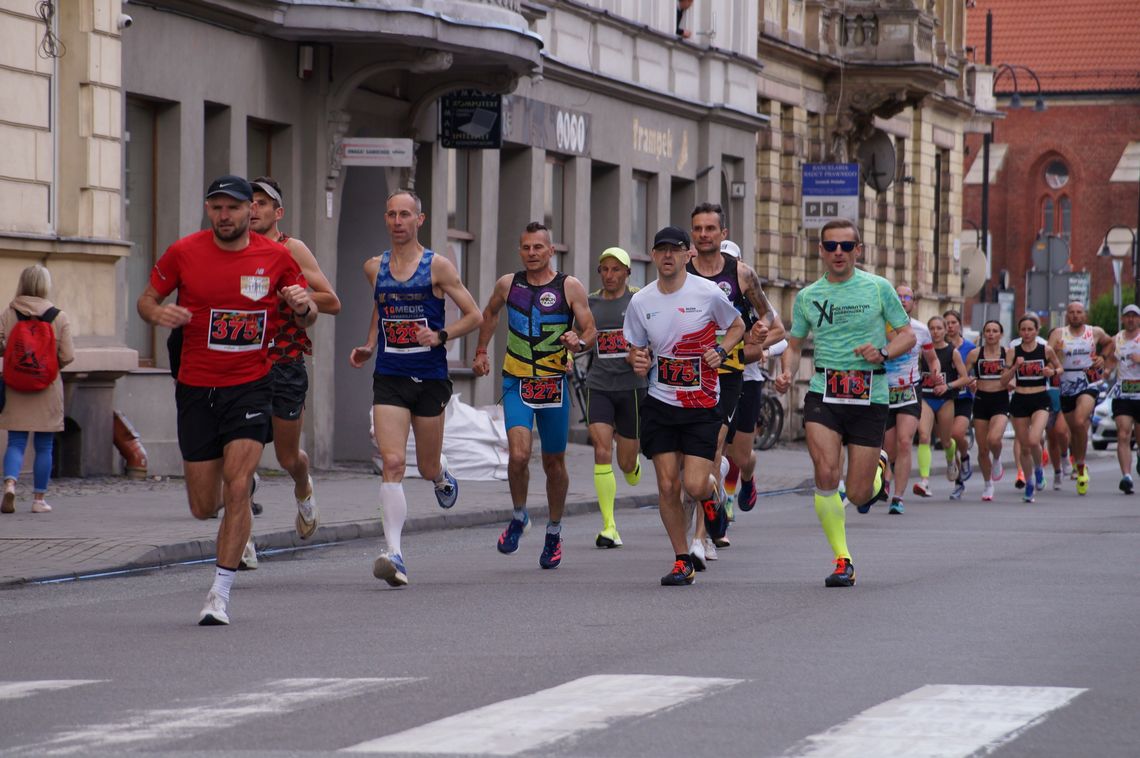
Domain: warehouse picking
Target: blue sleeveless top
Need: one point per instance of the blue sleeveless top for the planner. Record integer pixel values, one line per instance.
(402, 307)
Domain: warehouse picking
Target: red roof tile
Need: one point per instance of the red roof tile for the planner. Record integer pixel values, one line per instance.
(1072, 45)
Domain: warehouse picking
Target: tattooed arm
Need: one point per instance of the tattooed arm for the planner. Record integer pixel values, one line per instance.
(749, 284)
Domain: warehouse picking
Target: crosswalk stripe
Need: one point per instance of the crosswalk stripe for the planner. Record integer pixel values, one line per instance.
(219, 712)
(16, 690)
(547, 716)
(940, 721)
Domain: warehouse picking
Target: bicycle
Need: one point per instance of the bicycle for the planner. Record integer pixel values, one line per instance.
(770, 424)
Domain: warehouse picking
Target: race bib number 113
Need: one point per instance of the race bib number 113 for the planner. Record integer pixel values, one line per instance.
(847, 386)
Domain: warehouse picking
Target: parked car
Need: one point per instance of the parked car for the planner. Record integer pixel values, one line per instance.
(1103, 425)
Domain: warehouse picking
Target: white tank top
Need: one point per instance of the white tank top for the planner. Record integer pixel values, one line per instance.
(1127, 372)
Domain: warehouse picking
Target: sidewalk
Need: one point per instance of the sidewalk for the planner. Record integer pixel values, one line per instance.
(113, 524)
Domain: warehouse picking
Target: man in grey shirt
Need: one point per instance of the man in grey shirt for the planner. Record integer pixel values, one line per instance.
(613, 392)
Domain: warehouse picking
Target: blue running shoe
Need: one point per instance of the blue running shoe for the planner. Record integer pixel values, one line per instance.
(746, 494)
(966, 470)
(1027, 496)
(551, 551)
(447, 491)
(509, 539)
(1039, 475)
(391, 569)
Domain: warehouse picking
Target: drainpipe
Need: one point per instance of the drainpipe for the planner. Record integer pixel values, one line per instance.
(129, 445)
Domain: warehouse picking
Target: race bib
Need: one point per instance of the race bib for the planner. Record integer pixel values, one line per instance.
(400, 335)
(1130, 388)
(899, 397)
(1094, 374)
(990, 368)
(541, 393)
(930, 381)
(847, 386)
(679, 373)
(236, 331)
(1034, 369)
(612, 344)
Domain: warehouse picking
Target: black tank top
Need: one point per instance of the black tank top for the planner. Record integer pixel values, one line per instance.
(946, 363)
(1031, 373)
(989, 368)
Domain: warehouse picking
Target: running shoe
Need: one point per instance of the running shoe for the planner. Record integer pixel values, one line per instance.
(966, 469)
(728, 503)
(681, 575)
(39, 506)
(721, 541)
(716, 520)
(697, 555)
(1083, 480)
(843, 576)
(255, 507)
(959, 490)
(922, 488)
(447, 491)
(884, 473)
(391, 569)
(896, 508)
(952, 469)
(608, 538)
(214, 611)
(842, 489)
(509, 539)
(1027, 496)
(1039, 476)
(746, 494)
(710, 549)
(885, 491)
(1020, 483)
(998, 471)
(1057, 480)
(1067, 465)
(308, 518)
(1126, 484)
(248, 557)
(551, 551)
(988, 492)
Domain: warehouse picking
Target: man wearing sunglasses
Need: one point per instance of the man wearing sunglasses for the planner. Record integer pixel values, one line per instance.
(670, 326)
(847, 310)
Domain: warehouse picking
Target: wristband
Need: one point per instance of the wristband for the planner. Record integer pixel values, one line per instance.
(722, 352)
(308, 310)
(480, 351)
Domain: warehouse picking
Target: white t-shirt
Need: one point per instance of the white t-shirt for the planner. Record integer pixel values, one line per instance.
(902, 371)
(678, 328)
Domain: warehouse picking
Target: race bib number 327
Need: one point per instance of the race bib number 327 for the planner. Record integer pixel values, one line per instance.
(847, 386)
(236, 331)
(541, 393)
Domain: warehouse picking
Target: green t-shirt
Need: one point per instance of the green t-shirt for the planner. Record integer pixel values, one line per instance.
(843, 316)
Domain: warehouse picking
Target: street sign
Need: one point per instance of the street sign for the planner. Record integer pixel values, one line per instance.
(830, 191)
(1080, 287)
(376, 151)
(471, 120)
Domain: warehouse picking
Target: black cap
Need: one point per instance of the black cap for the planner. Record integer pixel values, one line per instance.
(671, 235)
(234, 186)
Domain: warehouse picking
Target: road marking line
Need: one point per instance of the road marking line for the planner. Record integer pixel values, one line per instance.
(209, 714)
(15, 690)
(547, 716)
(941, 720)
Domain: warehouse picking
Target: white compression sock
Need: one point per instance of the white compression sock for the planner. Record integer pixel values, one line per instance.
(724, 467)
(394, 509)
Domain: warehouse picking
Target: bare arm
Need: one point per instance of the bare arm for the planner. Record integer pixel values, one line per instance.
(732, 336)
(445, 276)
(482, 363)
(789, 364)
(963, 377)
(582, 339)
(152, 310)
(360, 355)
(322, 291)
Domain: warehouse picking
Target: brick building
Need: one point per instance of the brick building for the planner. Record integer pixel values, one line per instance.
(1072, 170)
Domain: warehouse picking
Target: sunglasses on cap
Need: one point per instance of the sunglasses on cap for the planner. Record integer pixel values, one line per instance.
(831, 245)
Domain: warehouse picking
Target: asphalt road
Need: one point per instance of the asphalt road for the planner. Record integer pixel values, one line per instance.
(1026, 613)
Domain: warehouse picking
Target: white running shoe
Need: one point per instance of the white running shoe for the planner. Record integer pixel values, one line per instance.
(308, 517)
(952, 469)
(248, 556)
(999, 470)
(39, 506)
(697, 554)
(214, 611)
(391, 569)
(988, 492)
(710, 549)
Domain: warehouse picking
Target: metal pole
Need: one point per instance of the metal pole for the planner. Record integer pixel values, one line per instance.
(986, 140)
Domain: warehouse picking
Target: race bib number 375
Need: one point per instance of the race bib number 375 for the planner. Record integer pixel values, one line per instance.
(236, 331)
(400, 335)
(847, 386)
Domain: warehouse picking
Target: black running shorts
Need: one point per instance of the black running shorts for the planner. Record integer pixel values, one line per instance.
(671, 429)
(290, 385)
(1025, 404)
(730, 386)
(747, 410)
(620, 409)
(211, 417)
(862, 425)
(990, 404)
(423, 397)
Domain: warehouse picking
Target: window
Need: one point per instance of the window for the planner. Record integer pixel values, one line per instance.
(1066, 217)
(259, 149)
(1056, 209)
(1047, 216)
(1056, 175)
(139, 198)
(554, 210)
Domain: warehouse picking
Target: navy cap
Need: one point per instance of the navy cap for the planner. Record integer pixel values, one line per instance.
(671, 235)
(234, 186)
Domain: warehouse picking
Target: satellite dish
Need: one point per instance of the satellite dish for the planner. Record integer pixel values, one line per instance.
(877, 161)
(973, 270)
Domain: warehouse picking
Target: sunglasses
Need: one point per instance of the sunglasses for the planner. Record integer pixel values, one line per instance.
(906, 297)
(846, 245)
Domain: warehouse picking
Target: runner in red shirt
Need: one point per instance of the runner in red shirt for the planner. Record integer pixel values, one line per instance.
(229, 283)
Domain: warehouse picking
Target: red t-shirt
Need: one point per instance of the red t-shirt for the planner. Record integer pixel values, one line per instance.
(232, 297)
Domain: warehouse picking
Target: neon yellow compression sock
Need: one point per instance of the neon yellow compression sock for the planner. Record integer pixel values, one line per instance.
(950, 451)
(924, 461)
(633, 477)
(829, 509)
(606, 486)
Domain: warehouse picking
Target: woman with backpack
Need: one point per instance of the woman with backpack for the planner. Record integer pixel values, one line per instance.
(35, 337)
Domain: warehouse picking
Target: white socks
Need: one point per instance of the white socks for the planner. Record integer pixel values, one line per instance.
(223, 581)
(394, 509)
